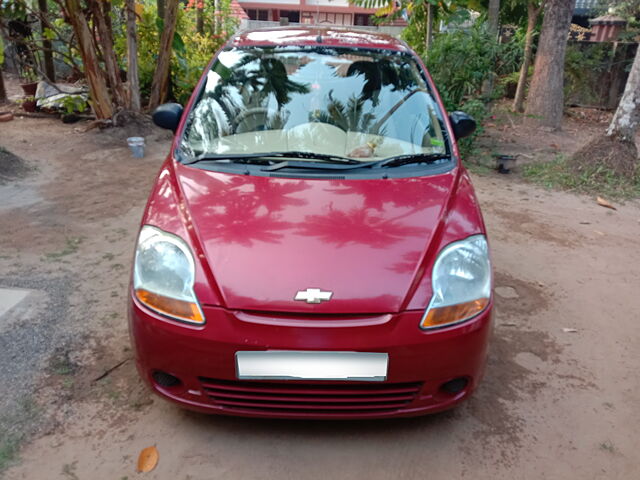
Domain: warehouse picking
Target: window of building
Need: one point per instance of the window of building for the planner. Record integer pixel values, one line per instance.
(293, 16)
(257, 14)
(362, 19)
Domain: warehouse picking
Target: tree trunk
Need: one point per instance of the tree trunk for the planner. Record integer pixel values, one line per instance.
(429, 36)
(532, 19)
(626, 120)
(160, 84)
(493, 16)
(100, 100)
(49, 68)
(132, 57)
(3, 91)
(160, 7)
(100, 11)
(218, 17)
(200, 17)
(546, 96)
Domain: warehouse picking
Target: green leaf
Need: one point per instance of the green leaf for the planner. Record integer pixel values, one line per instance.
(178, 44)
(49, 34)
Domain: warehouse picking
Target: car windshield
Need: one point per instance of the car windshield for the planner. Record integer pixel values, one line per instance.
(361, 104)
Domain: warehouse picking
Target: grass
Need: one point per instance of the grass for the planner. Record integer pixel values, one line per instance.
(9, 446)
(12, 437)
(607, 446)
(69, 470)
(61, 364)
(478, 168)
(479, 161)
(598, 180)
(73, 243)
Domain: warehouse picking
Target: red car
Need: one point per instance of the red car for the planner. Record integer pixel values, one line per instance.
(312, 247)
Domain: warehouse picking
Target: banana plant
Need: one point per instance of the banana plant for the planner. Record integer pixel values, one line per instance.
(422, 14)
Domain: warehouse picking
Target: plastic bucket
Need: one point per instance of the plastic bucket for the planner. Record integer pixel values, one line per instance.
(136, 145)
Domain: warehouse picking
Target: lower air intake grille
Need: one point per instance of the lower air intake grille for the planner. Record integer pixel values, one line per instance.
(309, 399)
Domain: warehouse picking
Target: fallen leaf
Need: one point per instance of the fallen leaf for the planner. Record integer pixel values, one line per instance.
(603, 203)
(569, 330)
(599, 232)
(148, 459)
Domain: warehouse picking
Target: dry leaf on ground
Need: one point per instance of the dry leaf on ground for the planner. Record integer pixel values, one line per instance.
(604, 203)
(148, 459)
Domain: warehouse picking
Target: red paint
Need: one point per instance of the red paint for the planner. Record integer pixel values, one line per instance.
(258, 240)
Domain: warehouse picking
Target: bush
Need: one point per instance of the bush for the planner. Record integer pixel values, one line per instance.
(479, 111)
(460, 62)
(192, 51)
(583, 66)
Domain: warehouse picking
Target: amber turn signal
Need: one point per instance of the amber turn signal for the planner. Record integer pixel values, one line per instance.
(439, 317)
(180, 309)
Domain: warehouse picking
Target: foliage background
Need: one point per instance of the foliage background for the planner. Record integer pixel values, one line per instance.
(192, 51)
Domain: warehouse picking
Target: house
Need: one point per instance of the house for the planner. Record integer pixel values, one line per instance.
(313, 12)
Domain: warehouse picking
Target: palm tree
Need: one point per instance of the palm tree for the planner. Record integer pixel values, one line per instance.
(256, 77)
(348, 117)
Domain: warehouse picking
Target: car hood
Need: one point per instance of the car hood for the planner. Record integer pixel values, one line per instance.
(266, 239)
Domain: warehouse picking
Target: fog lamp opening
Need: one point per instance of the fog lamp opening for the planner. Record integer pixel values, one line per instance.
(455, 386)
(165, 380)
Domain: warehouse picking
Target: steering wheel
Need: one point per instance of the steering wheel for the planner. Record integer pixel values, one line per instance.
(251, 119)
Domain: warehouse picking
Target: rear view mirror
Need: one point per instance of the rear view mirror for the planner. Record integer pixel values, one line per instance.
(168, 116)
(463, 124)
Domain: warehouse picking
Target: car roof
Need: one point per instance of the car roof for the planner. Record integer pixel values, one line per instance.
(327, 36)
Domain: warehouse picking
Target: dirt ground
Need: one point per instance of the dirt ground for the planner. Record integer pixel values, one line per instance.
(559, 399)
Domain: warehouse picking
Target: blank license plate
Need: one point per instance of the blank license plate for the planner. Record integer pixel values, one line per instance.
(307, 365)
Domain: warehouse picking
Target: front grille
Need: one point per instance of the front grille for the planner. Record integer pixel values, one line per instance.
(304, 398)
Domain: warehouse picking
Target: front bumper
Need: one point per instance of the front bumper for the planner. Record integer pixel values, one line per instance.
(203, 358)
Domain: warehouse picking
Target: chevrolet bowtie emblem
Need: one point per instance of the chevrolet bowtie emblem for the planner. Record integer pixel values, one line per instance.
(313, 295)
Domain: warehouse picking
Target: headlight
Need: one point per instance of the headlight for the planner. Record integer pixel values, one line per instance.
(461, 283)
(163, 275)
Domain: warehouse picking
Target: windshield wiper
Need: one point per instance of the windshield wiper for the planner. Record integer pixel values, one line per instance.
(315, 166)
(263, 158)
(409, 158)
(354, 165)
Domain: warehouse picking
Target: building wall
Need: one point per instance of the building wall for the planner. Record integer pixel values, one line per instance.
(310, 12)
(394, 30)
(329, 3)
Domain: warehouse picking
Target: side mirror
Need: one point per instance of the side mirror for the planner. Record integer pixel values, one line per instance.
(168, 116)
(463, 124)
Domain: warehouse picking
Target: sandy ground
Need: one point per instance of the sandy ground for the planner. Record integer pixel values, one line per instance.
(555, 403)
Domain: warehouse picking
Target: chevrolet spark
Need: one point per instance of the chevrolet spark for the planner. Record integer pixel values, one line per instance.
(312, 246)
